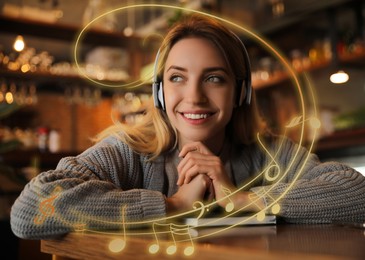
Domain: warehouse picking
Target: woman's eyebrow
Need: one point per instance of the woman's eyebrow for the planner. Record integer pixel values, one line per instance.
(206, 70)
(173, 67)
(212, 69)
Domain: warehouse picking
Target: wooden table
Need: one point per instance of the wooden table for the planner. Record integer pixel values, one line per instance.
(283, 241)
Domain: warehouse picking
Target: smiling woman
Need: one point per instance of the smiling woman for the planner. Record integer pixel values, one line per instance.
(205, 144)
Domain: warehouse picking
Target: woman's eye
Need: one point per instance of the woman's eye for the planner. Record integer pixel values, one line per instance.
(215, 79)
(176, 78)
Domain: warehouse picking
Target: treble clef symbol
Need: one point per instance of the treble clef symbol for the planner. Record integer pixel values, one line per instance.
(46, 207)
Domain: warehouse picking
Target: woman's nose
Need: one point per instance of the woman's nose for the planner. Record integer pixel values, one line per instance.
(195, 93)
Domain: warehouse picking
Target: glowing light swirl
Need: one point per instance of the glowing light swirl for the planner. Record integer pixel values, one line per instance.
(275, 207)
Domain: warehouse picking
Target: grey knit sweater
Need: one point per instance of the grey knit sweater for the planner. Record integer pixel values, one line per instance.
(92, 188)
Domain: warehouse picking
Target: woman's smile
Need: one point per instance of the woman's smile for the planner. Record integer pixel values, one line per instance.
(196, 118)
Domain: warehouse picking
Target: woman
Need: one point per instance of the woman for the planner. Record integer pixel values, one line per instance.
(199, 145)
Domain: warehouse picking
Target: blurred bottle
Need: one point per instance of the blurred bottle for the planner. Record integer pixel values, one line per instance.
(296, 59)
(316, 53)
(54, 141)
(42, 139)
(327, 49)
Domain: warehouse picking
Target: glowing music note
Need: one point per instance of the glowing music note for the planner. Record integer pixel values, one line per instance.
(275, 209)
(182, 231)
(46, 207)
(270, 175)
(154, 248)
(230, 205)
(174, 230)
(261, 214)
(294, 122)
(202, 207)
(118, 244)
(253, 198)
(314, 122)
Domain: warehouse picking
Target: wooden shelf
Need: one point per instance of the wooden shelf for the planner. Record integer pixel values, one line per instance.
(37, 76)
(47, 82)
(280, 24)
(356, 58)
(64, 32)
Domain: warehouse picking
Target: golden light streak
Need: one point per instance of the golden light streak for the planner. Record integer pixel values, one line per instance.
(274, 206)
(248, 32)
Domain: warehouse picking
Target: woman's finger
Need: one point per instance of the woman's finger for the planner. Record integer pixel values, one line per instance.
(194, 157)
(191, 173)
(194, 147)
(189, 162)
(196, 170)
(190, 159)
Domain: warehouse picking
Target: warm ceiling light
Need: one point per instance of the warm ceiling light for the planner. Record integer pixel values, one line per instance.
(128, 31)
(339, 77)
(9, 97)
(19, 43)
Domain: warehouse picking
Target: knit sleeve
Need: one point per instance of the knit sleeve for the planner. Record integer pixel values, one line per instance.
(99, 189)
(314, 192)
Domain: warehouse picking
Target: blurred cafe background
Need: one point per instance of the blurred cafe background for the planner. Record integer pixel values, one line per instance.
(52, 104)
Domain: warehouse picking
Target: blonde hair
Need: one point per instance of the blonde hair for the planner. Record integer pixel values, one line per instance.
(154, 134)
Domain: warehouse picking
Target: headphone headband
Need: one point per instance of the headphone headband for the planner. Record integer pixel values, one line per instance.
(248, 80)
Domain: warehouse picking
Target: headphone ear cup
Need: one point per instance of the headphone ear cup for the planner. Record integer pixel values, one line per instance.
(161, 97)
(155, 86)
(245, 92)
(158, 97)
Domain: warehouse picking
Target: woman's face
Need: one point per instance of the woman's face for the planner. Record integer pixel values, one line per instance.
(199, 91)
